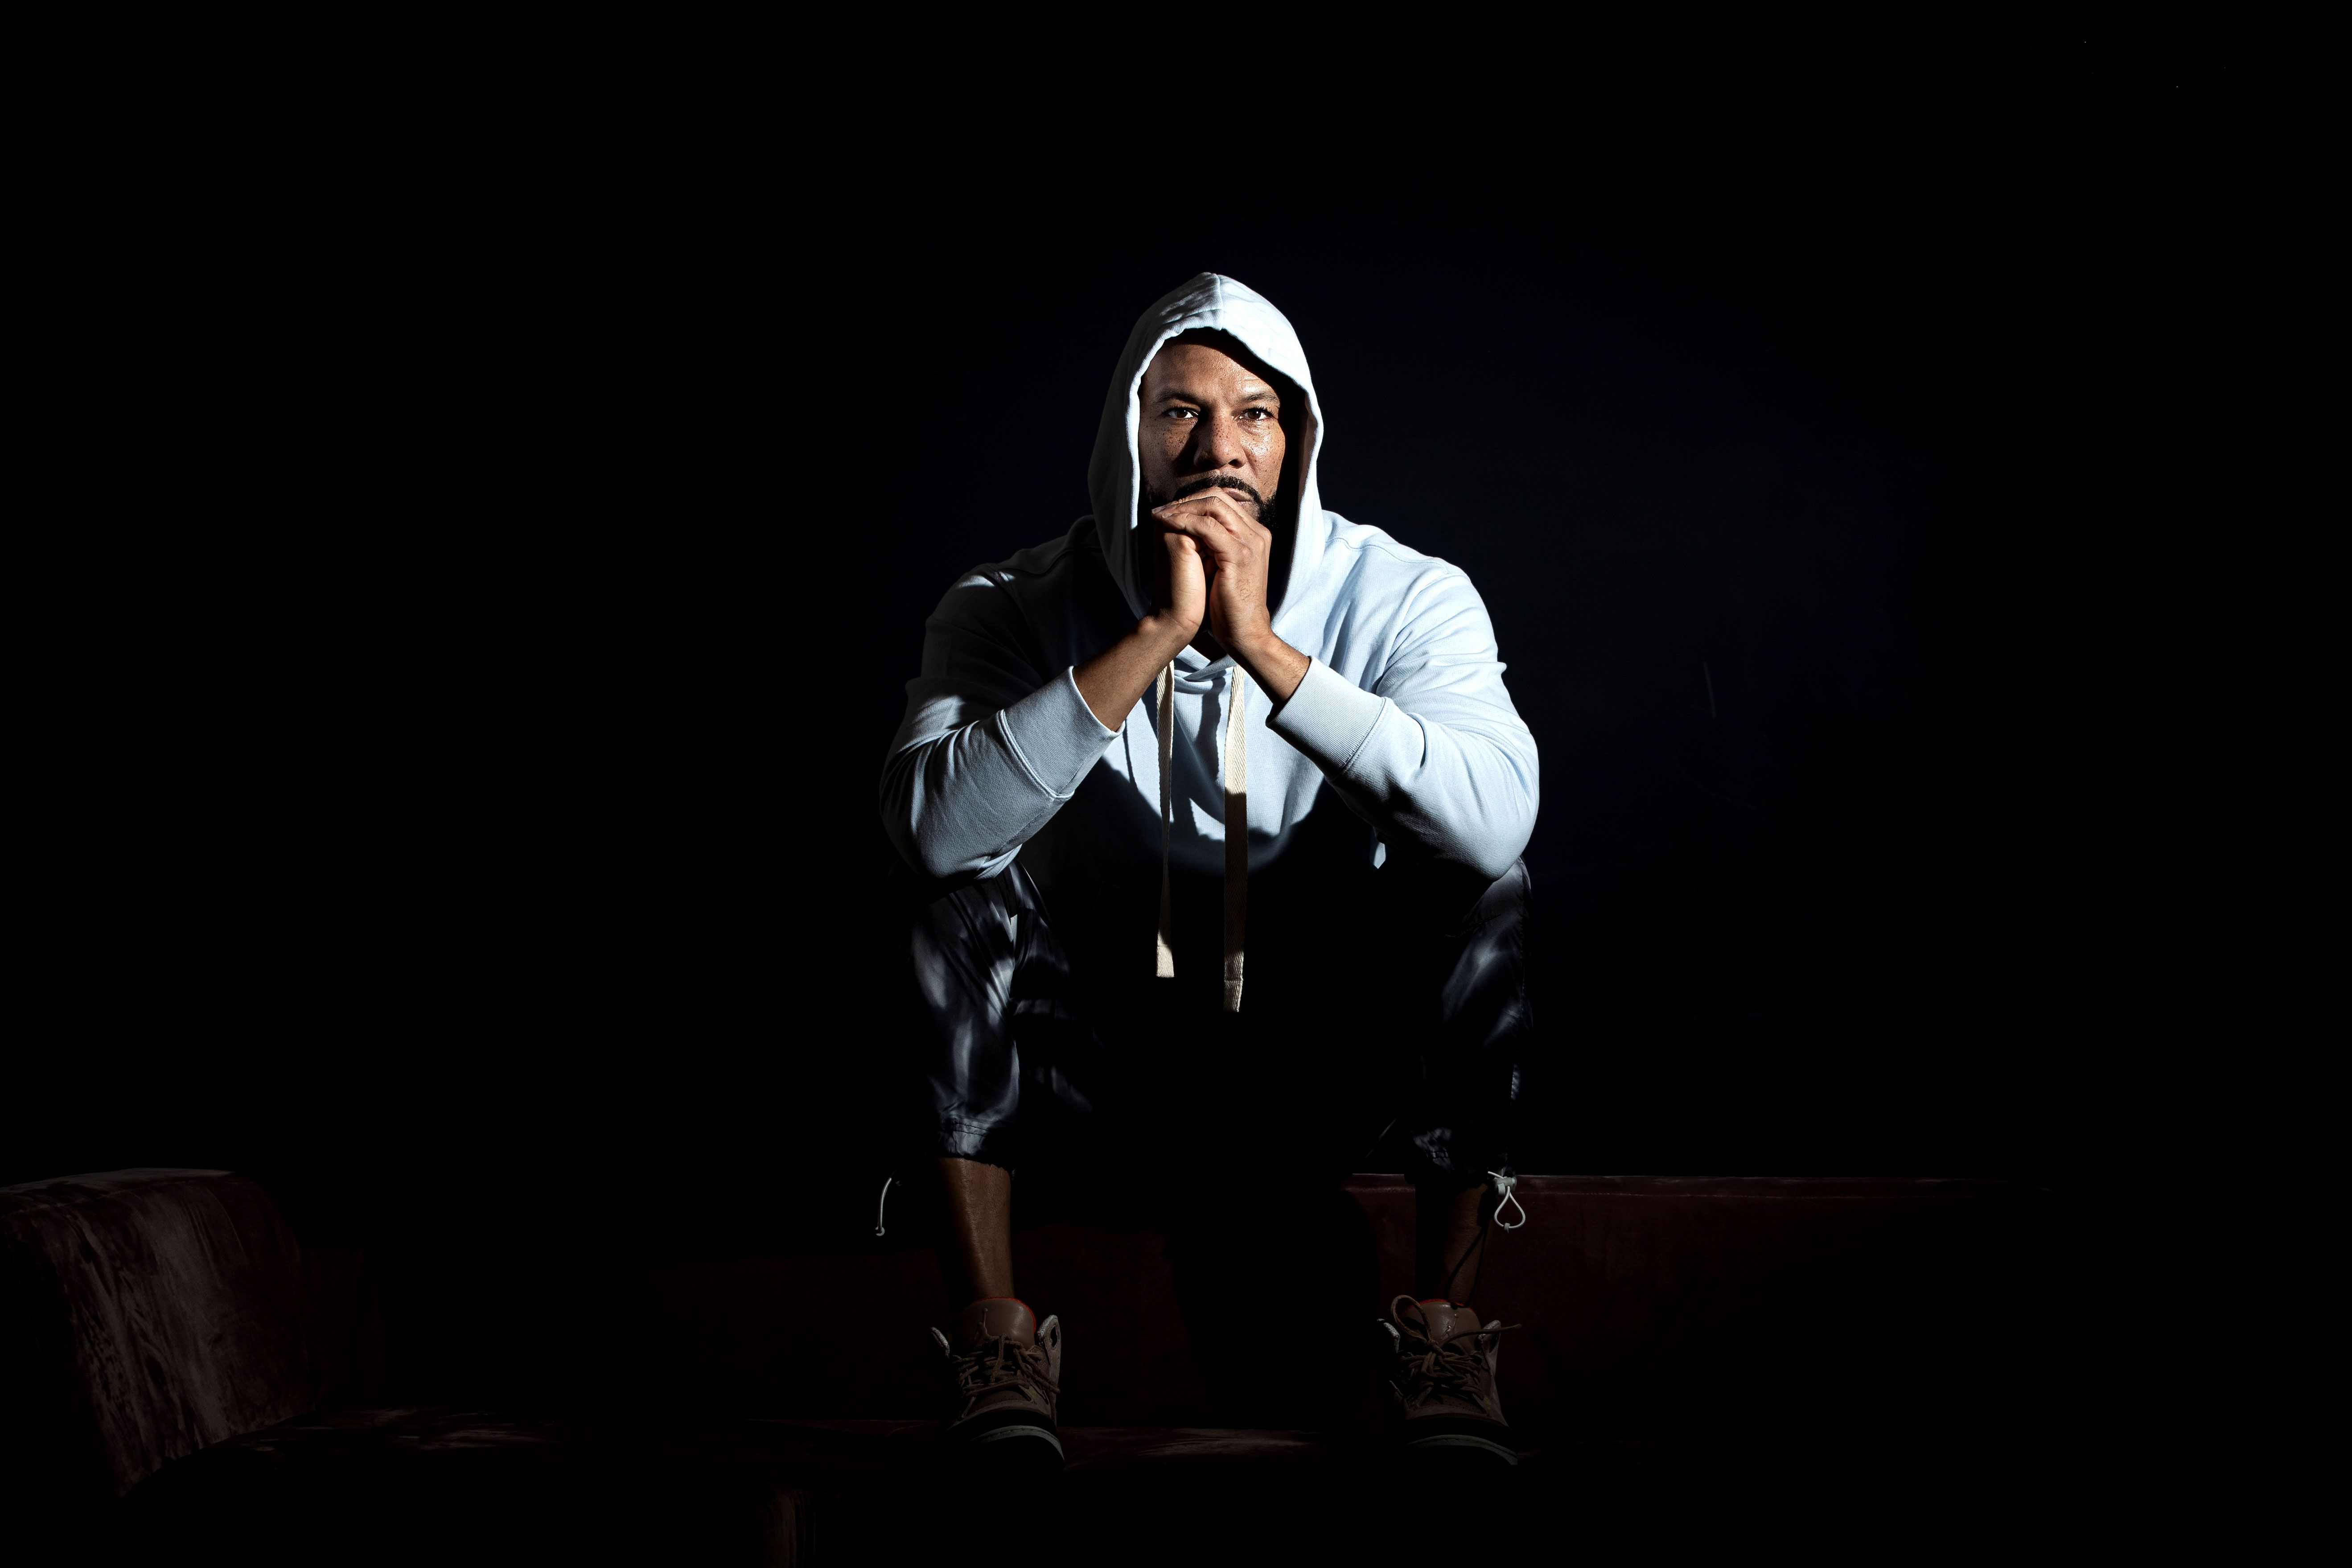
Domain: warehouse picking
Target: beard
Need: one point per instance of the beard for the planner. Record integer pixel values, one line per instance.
(1155, 497)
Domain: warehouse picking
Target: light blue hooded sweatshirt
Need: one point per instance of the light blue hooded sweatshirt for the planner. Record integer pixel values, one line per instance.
(1403, 711)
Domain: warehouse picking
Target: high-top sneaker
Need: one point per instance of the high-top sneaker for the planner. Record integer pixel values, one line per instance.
(999, 1383)
(1441, 1388)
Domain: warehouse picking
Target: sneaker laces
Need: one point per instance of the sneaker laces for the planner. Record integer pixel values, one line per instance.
(1450, 1366)
(1000, 1364)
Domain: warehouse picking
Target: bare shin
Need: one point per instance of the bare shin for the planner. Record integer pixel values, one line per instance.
(1445, 1226)
(976, 1248)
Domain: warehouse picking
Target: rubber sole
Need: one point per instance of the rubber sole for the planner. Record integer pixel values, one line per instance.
(1462, 1446)
(999, 1433)
(1015, 1452)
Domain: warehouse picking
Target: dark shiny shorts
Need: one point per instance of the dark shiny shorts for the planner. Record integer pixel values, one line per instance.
(1380, 1028)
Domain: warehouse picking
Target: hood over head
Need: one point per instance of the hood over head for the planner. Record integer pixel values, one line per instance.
(1115, 478)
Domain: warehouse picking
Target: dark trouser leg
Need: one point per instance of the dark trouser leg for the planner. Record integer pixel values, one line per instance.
(991, 985)
(1457, 1129)
(1457, 1123)
(992, 989)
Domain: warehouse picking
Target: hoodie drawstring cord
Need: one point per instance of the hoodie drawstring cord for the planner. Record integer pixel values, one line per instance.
(1504, 1194)
(1165, 967)
(1236, 769)
(1236, 835)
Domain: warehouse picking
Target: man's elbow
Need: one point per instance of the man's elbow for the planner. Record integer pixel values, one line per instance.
(1485, 820)
(942, 867)
(940, 861)
(1495, 846)
(1489, 857)
(927, 854)
(1493, 859)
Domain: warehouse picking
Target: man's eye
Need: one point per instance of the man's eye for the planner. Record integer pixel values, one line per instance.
(1181, 412)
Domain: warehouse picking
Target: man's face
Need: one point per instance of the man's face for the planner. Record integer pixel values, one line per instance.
(1208, 420)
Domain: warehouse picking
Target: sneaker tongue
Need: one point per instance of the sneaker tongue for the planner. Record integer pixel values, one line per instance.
(1443, 1318)
(998, 1318)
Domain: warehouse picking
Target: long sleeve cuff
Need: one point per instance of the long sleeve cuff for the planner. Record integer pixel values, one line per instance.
(1054, 735)
(1328, 718)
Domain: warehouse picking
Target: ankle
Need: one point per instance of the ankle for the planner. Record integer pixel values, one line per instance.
(989, 1318)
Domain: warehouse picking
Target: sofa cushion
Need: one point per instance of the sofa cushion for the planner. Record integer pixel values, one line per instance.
(445, 1484)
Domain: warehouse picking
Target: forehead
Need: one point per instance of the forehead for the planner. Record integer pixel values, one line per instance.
(1197, 369)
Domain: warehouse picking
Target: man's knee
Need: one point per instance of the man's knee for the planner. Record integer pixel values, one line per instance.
(1456, 900)
(1507, 897)
(965, 932)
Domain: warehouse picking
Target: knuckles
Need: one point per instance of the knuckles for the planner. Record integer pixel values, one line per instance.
(1214, 526)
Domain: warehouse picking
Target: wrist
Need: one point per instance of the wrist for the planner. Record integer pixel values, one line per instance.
(1254, 649)
(1275, 666)
(1164, 632)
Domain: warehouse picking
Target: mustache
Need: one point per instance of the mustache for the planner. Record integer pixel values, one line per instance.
(1218, 481)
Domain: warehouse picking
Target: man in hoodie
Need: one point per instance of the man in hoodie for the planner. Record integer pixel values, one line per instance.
(1218, 801)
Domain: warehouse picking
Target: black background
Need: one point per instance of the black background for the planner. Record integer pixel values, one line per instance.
(481, 558)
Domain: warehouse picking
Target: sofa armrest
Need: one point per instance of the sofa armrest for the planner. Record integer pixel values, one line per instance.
(145, 1314)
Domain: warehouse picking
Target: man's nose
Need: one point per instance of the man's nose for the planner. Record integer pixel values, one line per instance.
(1217, 444)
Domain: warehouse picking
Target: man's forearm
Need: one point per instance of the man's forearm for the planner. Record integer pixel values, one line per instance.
(1114, 679)
(1275, 665)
